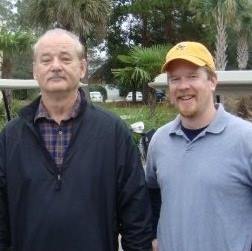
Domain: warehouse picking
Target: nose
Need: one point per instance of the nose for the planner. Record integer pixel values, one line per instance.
(183, 83)
(56, 64)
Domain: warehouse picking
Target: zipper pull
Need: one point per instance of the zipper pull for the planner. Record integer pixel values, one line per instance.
(58, 182)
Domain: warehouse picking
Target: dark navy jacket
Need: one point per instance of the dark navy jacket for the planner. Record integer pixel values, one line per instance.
(99, 192)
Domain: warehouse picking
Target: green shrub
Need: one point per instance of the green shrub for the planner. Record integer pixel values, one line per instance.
(14, 109)
(131, 113)
(24, 94)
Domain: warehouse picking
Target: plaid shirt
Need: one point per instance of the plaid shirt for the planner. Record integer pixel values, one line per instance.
(56, 137)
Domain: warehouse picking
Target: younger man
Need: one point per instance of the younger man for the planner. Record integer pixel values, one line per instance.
(201, 162)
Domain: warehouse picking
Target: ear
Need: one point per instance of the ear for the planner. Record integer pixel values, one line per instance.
(83, 68)
(213, 82)
(34, 71)
(172, 99)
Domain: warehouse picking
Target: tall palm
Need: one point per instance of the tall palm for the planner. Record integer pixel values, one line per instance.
(87, 18)
(243, 28)
(142, 65)
(11, 44)
(5, 7)
(82, 16)
(221, 13)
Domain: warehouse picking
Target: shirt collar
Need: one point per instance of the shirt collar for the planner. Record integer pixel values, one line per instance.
(217, 125)
(43, 113)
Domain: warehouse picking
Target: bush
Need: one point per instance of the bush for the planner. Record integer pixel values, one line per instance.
(132, 113)
(14, 109)
(24, 94)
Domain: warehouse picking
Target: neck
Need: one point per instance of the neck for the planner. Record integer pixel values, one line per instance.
(59, 106)
(199, 121)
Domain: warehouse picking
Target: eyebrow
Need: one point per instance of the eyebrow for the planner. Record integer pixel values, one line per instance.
(48, 54)
(45, 55)
(189, 72)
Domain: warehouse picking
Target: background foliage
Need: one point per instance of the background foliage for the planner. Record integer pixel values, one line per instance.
(130, 33)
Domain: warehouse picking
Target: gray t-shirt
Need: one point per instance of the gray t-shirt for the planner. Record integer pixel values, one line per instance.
(206, 185)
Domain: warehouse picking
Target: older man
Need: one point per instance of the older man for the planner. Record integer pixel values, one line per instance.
(70, 176)
(201, 162)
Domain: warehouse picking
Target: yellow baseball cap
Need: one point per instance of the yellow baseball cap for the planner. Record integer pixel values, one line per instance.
(193, 52)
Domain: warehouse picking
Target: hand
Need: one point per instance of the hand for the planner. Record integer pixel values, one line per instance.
(155, 245)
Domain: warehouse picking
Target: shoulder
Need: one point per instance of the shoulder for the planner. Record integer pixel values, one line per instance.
(229, 125)
(104, 122)
(103, 116)
(12, 125)
(228, 120)
(165, 130)
(239, 132)
(235, 123)
(162, 134)
(11, 131)
(101, 113)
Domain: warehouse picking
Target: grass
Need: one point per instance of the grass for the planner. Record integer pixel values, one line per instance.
(131, 113)
(15, 107)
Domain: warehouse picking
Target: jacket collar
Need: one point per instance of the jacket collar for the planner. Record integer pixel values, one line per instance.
(29, 112)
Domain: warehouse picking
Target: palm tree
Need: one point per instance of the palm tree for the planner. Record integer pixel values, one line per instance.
(142, 65)
(5, 7)
(87, 18)
(10, 44)
(221, 13)
(243, 28)
(83, 17)
(132, 77)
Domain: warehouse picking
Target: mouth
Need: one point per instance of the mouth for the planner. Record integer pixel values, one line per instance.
(186, 97)
(56, 78)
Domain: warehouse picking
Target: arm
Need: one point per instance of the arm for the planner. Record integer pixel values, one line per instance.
(155, 198)
(154, 190)
(4, 218)
(134, 208)
(155, 245)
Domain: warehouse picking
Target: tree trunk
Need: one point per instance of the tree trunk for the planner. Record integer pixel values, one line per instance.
(242, 51)
(146, 91)
(4, 94)
(152, 102)
(145, 37)
(244, 108)
(6, 74)
(134, 95)
(84, 43)
(221, 41)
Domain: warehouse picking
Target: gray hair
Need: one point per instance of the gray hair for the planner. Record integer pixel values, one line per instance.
(59, 31)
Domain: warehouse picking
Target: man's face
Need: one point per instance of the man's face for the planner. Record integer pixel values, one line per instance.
(191, 90)
(57, 67)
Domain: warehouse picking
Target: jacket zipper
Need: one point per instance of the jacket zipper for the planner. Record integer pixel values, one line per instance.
(58, 182)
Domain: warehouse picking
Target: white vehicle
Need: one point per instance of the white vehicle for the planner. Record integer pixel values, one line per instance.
(139, 96)
(96, 97)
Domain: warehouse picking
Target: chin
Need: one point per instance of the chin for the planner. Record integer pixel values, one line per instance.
(58, 87)
(188, 113)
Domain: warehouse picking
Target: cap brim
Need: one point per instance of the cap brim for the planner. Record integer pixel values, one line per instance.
(191, 59)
